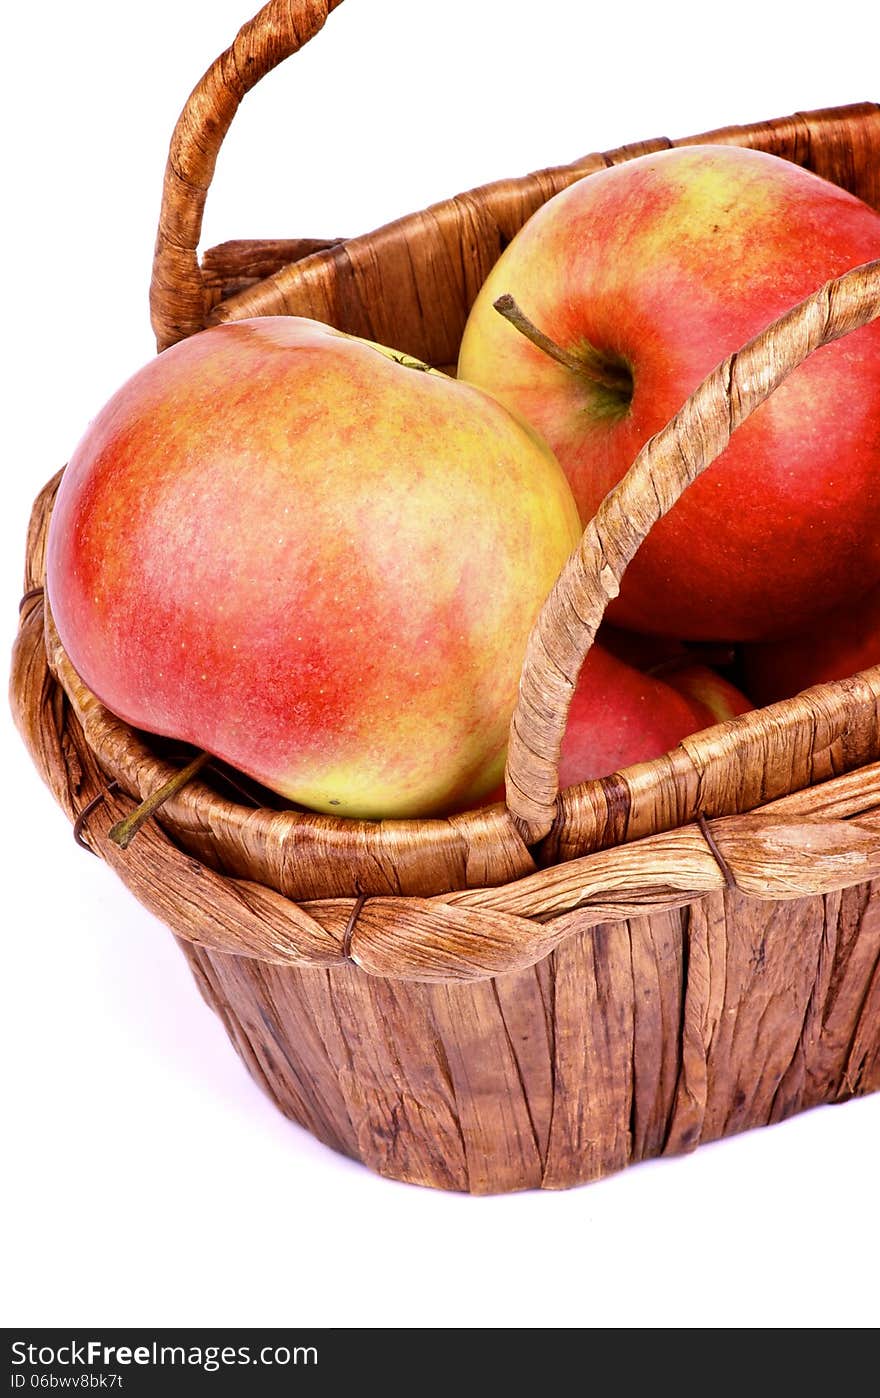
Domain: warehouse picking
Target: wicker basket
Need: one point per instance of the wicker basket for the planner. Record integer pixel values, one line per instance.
(541, 993)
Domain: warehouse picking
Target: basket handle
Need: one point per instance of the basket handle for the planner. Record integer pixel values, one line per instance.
(178, 298)
(662, 471)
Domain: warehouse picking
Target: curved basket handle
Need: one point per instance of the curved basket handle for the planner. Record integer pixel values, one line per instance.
(662, 471)
(177, 290)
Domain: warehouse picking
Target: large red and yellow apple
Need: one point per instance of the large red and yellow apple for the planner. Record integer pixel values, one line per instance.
(642, 278)
(311, 558)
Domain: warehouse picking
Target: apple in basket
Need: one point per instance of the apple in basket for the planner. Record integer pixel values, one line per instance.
(314, 558)
(625, 291)
(621, 715)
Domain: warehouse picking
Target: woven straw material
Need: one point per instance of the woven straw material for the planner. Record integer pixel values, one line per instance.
(542, 992)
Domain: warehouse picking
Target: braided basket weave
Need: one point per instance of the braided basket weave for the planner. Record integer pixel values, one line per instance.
(542, 992)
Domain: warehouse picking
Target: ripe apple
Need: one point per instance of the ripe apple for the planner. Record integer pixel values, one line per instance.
(620, 715)
(315, 560)
(843, 643)
(631, 286)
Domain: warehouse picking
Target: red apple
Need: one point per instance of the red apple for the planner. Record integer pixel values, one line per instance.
(302, 553)
(643, 277)
(620, 716)
(841, 644)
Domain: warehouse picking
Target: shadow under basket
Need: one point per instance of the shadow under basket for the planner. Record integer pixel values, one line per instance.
(539, 993)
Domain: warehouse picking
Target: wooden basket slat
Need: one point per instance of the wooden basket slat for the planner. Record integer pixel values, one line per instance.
(237, 265)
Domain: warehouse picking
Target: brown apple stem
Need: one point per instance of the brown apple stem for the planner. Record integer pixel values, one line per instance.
(590, 365)
(124, 831)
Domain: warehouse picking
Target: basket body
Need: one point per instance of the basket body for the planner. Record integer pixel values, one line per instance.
(632, 1040)
(639, 1037)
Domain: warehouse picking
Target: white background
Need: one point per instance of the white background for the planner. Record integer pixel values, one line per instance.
(147, 1180)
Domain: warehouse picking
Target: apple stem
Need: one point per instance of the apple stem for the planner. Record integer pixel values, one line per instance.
(511, 310)
(592, 366)
(124, 831)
